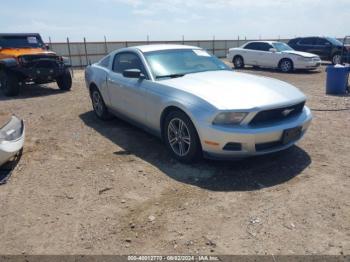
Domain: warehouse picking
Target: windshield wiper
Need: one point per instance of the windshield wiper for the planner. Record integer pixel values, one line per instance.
(170, 76)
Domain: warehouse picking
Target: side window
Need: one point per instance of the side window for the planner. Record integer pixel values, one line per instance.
(265, 47)
(307, 41)
(124, 61)
(258, 46)
(105, 61)
(321, 41)
(252, 46)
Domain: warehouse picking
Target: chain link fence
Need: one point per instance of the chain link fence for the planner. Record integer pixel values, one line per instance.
(83, 53)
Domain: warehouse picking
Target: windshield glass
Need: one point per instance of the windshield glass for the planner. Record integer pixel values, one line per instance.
(21, 42)
(334, 41)
(174, 63)
(280, 47)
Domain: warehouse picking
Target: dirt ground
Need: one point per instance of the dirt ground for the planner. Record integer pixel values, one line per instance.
(84, 186)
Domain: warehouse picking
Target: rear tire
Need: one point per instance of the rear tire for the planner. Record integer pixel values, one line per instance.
(238, 62)
(9, 84)
(286, 65)
(64, 81)
(181, 138)
(100, 108)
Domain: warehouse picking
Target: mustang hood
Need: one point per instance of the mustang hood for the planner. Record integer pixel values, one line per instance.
(303, 54)
(232, 90)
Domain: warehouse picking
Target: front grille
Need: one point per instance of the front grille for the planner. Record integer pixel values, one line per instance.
(277, 115)
(39, 61)
(45, 64)
(31, 58)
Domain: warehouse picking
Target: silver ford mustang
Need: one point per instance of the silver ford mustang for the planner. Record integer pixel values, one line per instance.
(197, 104)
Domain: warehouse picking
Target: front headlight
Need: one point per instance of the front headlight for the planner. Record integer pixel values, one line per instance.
(22, 60)
(12, 130)
(229, 118)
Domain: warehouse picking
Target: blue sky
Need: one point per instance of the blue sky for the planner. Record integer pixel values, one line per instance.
(122, 20)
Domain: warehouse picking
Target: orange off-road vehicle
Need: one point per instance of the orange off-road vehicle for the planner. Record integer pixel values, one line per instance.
(24, 58)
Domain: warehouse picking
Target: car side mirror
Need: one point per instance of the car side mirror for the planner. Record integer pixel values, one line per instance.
(47, 47)
(132, 73)
(273, 50)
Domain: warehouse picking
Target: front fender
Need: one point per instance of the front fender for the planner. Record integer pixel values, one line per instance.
(196, 111)
(66, 61)
(8, 62)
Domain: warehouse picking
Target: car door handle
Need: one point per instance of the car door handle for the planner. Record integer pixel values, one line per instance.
(112, 80)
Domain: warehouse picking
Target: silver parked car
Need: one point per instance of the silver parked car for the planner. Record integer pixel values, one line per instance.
(196, 103)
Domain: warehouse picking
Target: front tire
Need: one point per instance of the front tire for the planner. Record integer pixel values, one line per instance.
(336, 59)
(181, 137)
(286, 65)
(9, 84)
(99, 105)
(64, 81)
(238, 62)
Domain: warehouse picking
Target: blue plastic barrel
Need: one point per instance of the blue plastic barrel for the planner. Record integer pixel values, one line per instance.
(337, 80)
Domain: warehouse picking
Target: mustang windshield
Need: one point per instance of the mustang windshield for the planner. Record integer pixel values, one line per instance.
(15, 41)
(282, 47)
(177, 63)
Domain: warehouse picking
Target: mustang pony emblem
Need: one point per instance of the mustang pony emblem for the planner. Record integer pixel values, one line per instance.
(287, 112)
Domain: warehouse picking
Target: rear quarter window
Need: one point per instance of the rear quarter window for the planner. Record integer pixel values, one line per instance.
(307, 41)
(293, 41)
(105, 62)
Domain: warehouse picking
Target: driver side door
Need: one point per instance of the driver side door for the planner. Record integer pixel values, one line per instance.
(268, 58)
(127, 94)
(323, 48)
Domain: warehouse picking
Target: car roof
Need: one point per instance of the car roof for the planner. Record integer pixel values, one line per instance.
(313, 36)
(261, 41)
(19, 34)
(161, 47)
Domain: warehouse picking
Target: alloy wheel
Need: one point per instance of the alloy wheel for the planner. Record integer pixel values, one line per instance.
(336, 59)
(97, 103)
(179, 137)
(238, 62)
(286, 66)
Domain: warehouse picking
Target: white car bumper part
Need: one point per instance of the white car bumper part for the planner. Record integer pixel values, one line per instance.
(12, 137)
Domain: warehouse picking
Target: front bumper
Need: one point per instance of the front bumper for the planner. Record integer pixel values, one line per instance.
(9, 149)
(253, 140)
(44, 71)
(313, 64)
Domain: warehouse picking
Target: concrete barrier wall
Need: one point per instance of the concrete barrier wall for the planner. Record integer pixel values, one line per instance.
(81, 53)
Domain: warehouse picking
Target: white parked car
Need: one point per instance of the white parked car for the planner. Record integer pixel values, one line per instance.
(11, 138)
(196, 103)
(272, 54)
